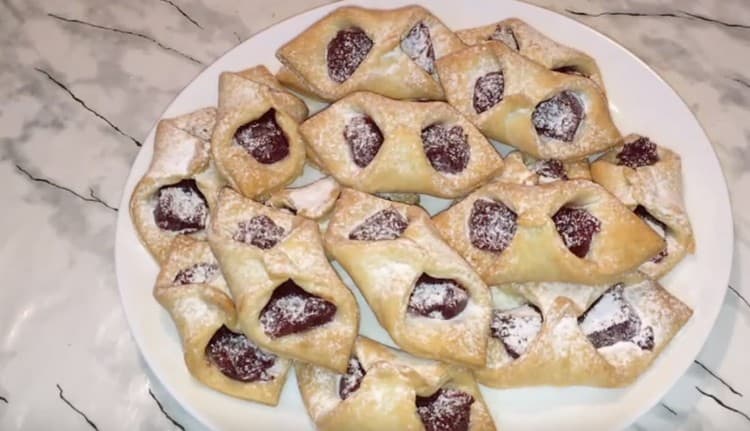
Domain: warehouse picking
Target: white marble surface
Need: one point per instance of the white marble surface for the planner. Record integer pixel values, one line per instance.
(83, 81)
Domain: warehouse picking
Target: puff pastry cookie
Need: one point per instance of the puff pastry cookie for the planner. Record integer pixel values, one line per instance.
(523, 104)
(565, 334)
(523, 169)
(376, 144)
(313, 201)
(428, 299)
(289, 299)
(190, 286)
(572, 231)
(256, 145)
(532, 44)
(648, 179)
(181, 184)
(385, 389)
(391, 52)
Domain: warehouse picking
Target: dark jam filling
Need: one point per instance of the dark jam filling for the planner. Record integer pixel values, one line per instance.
(291, 310)
(351, 381)
(181, 208)
(238, 358)
(611, 319)
(387, 224)
(558, 117)
(658, 226)
(199, 273)
(417, 45)
(447, 148)
(577, 228)
(260, 231)
(447, 409)
(516, 328)
(641, 152)
(492, 225)
(437, 298)
(346, 51)
(263, 139)
(488, 91)
(364, 139)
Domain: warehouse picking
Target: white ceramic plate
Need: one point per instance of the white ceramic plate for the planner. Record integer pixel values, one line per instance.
(640, 102)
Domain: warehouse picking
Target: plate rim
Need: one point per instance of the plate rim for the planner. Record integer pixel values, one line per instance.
(123, 217)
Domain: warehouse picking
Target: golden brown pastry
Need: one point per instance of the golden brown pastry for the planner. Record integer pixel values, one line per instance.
(191, 288)
(289, 299)
(386, 389)
(532, 44)
(648, 179)
(523, 169)
(375, 144)
(561, 334)
(428, 299)
(572, 231)
(181, 184)
(313, 201)
(390, 52)
(256, 145)
(523, 104)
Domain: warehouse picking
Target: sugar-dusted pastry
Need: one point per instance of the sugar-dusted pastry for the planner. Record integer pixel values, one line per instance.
(256, 145)
(313, 201)
(190, 286)
(390, 52)
(561, 334)
(572, 231)
(428, 299)
(386, 389)
(180, 185)
(648, 179)
(532, 44)
(375, 144)
(523, 104)
(289, 300)
(523, 169)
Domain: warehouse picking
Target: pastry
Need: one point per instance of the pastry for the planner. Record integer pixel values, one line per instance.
(523, 104)
(565, 334)
(313, 201)
(289, 300)
(390, 52)
(191, 288)
(569, 231)
(648, 179)
(523, 169)
(180, 185)
(375, 144)
(385, 389)
(428, 299)
(532, 44)
(256, 145)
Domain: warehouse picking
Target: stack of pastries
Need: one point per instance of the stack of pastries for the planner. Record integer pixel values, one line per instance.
(543, 270)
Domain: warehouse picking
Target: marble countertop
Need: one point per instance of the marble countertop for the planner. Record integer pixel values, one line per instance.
(83, 81)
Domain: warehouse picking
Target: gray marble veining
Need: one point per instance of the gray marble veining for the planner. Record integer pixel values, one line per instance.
(82, 83)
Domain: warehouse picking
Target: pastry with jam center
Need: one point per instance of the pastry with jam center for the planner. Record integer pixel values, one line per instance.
(380, 145)
(180, 186)
(390, 52)
(192, 289)
(290, 301)
(409, 393)
(425, 296)
(647, 177)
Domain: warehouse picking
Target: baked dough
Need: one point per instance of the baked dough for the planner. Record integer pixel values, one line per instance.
(569, 231)
(180, 184)
(626, 328)
(191, 288)
(382, 388)
(428, 299)
(523, 104)
(649, 181)
(532, 44)
(390, 52)
(523, 169)
(289, 299)
(375, 144)
(314, 201)
(256, 145)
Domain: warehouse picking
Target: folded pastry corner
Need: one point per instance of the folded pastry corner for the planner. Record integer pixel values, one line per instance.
(191, 288)
(289, 299)
(391, 52)
(174, 195)
(428, 299)
(648, 179)
(563, 334)
(521, 103)
(386, 389)
(376, 144)
(523, 169)
(256, 144)
(313, 201)
(570, 231)
(521, 37)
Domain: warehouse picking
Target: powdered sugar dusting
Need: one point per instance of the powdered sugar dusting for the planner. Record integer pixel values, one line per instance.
(387, 224)
(447, 409)
(239, 358)
(611, 319)
(559, 117)
(291, 309)
(516, 328)
(437, 298)
(199, 273)
(346, 51)
(417, 45)
(181, 208)
(492, 225)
